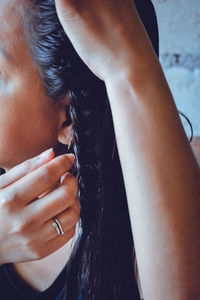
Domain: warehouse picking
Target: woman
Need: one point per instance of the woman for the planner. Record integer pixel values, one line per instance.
(101, 264)
(54, 128)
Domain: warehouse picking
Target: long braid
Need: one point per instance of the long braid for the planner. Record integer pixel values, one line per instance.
(87, 117)
(100, 251)
(88, 98)
(101, 264)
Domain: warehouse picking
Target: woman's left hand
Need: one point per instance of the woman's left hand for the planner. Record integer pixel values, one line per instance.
(104, 33)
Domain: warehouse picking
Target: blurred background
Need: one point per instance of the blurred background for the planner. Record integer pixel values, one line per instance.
(179, 33)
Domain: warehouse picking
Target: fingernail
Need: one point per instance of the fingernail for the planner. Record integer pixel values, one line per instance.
(71, 157)
(45, 154)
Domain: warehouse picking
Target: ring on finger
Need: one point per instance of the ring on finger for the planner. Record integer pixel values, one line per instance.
(57, 226)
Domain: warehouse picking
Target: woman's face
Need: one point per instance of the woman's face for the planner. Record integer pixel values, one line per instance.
(29, 121)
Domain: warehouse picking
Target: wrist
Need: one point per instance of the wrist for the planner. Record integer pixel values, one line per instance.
(134, 58)
(138, 78)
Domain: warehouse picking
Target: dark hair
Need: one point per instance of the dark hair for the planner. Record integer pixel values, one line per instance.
(101, 266)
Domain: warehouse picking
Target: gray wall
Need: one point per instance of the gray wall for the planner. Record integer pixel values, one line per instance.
(179, 31)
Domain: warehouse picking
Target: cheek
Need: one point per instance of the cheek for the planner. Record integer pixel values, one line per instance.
(26, 129)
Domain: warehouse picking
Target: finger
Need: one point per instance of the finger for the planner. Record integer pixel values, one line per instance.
(59, 241)
(49, 190)
(37, 182)
(57, 201)
(68, 175)
(67, 219)
(26, 167)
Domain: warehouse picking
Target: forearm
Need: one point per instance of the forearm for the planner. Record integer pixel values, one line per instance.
(162, 182)
(160, 172)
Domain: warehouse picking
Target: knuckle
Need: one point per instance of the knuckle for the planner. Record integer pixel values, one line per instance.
(47, 173)
(40, 253)
(28, 244)
(63, 196)
(76, 205)
(62, 163)
(70, 177)
(23, 226)
(71, 184)
(74, 216)
(3, 199)
(26, 165)
(73, 181)
(34, 251)
(65, 161)
(20, 227)
(8, 201)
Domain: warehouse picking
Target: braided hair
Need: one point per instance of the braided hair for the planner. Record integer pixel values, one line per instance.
(102, 261)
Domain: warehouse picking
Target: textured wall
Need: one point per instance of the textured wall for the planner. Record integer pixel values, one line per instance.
(179, 31)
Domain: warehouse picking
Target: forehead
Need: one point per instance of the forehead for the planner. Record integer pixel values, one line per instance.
(12, 38)
(11, 12)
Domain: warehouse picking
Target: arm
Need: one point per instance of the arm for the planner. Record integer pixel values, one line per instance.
(162, 184)
(160, 171)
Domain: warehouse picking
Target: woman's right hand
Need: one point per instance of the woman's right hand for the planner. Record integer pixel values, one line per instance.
(31, 194)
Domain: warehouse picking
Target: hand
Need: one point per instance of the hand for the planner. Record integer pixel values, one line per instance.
(29, 200)
(104, 33)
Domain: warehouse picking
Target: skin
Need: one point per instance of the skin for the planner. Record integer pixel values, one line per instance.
(29, 133)
(129, 95)
(160, 172)
(29, 124)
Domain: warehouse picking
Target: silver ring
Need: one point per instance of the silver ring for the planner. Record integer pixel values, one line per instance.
(57, 226)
